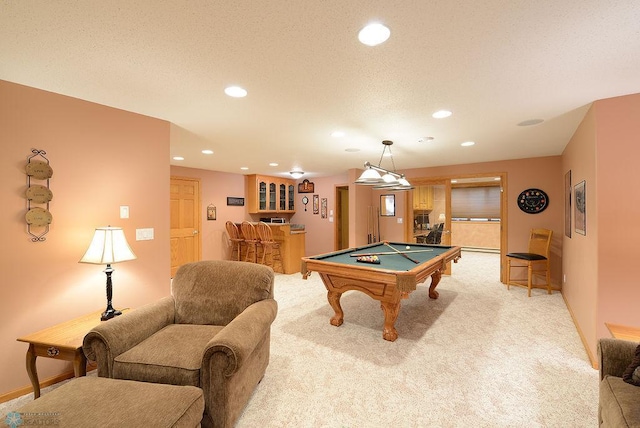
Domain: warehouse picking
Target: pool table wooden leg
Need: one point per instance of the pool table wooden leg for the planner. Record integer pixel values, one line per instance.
(435, 280)
(334, 301)
(391, 311)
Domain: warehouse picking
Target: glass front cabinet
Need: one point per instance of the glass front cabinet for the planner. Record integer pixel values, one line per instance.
(267, 194)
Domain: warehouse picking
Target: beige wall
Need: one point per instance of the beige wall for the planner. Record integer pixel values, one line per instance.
(101, 158)
(601, 267)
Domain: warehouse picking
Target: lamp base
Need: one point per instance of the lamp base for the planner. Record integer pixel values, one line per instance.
(110, 313)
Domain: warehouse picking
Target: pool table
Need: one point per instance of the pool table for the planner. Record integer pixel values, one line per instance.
(390, 281)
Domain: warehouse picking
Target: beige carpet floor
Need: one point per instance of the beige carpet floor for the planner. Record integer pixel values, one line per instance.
(479, 356)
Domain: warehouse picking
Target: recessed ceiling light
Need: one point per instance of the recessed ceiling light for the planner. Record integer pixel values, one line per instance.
(235, 91)
(207, 152)
(337, 134)
(178, 158)
(530, 122)
(467, 143)
(374, 34)
(441, 114)
(244, 168)
(425, 139)
(351, 150)
(273, 164)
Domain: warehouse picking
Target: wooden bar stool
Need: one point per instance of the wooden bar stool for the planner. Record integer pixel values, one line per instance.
(270, 247)
(251, 239)
(235, 240)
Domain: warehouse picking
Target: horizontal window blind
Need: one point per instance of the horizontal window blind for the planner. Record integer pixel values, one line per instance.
(475, 202)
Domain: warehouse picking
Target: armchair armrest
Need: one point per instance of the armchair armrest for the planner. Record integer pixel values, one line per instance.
(614, 356)
(111, 338)
(238, 339)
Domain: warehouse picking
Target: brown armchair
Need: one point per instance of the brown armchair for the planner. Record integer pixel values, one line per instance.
(213, 332)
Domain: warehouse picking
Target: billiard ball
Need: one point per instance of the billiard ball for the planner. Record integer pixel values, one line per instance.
(407, 247)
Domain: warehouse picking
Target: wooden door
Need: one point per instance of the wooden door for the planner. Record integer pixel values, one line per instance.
(185, 222)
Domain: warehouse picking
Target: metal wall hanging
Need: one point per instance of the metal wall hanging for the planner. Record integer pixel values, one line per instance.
(38, 195)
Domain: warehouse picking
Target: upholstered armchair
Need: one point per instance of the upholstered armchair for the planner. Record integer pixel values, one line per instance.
(213, 332)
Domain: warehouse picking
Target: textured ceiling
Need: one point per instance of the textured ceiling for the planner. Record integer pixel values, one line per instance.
(493, 63)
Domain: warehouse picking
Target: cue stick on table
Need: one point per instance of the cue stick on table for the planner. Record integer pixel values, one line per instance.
(401, 253)
(387, 253)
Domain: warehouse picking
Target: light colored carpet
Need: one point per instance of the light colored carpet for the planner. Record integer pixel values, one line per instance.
(479, 356)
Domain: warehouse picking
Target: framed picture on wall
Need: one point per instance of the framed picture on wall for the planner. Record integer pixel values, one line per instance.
(580, 209)
(323, 208)
(316, 204)
(567, 204)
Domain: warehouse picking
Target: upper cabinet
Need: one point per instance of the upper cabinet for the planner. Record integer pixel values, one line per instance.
(266, 194)
(423, 198)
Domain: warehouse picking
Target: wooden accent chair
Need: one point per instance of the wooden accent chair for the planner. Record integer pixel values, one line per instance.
(251, 240)
(536, 260)
(270, 247)
(212, 332)
(235, 240)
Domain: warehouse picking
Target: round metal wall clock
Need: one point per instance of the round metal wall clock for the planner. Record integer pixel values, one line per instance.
(533, 201)
(305, 201)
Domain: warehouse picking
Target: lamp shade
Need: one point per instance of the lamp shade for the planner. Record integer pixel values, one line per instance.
(369, 176)
(108, 245)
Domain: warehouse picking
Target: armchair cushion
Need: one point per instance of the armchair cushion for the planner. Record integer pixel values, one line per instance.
(171, 356)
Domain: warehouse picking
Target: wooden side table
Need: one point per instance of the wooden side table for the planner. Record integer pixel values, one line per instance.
(624, 332)
(63, 342)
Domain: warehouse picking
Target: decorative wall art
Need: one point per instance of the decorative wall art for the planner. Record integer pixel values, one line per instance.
(323, 208)
(38, 218)
(306, 186)
(387, 205)
(316, 204)
(211, 212)
(237, 202)
(580, 193)
(567, 204)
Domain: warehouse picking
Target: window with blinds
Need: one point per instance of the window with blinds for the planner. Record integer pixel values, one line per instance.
(475, 203)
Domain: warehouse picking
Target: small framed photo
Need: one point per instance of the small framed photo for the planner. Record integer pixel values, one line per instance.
(236, 202)
(323, 208)
(316, 204)
(580, 195)
(211, 212)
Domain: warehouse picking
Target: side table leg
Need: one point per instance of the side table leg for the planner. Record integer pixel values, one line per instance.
(32, 371)
(79, 364)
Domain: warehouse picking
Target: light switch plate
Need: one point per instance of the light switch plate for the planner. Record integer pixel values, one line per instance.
(144, 234)
(124, 211)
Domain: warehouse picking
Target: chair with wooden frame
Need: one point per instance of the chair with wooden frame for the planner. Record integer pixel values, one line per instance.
(536, 261)
(235, 240)
(270, 247)
(251, 240)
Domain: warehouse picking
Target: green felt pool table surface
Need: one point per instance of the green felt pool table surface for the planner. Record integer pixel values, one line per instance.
(418, 252)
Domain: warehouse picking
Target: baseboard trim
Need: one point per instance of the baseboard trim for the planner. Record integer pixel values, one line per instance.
(29, 389)
(592, 358)
(7, 396)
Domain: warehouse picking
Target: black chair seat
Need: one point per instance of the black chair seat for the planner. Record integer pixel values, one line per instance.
(526, 256)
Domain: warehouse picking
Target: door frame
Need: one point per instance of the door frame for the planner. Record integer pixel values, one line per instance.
(446, 180)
